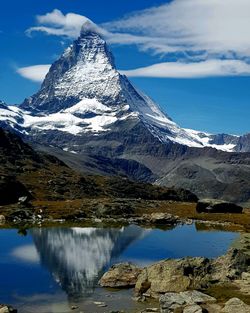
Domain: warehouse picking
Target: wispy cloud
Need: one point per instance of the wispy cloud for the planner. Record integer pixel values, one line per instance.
(205, 37)
(208, 68)
(35, 73)
(191, 26)
(194, 27)
(58, 24)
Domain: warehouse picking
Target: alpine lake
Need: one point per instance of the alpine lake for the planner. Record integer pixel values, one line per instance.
(57, 269)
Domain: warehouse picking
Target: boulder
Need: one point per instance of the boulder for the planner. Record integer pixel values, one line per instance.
(24, 200)
(162, 219)
(7, 309)
(173, 276)
(2, 219)
(217, 206)
(120, 276)
(21, 215)
(187, 301)
(195, 308)
(235, 305)
(119, 208)
(231, 265)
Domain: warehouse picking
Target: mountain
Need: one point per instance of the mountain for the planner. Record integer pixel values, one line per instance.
(42, 177)
(96, 121)
(83, 93)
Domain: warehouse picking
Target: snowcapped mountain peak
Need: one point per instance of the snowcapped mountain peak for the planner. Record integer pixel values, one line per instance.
(85, 70)
(83, 92)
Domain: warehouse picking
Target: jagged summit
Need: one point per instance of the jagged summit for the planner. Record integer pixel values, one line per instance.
(85, 70)
(95, 120)
(83, 92)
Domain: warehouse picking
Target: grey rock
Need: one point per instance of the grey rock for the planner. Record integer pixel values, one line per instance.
(193, 309)
(235, 305)
(120, 275)
(171, 301)
(173, 276)
(2, 219)
(162, 219)
(23, 200)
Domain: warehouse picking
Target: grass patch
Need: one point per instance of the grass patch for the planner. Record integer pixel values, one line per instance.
(227, 291)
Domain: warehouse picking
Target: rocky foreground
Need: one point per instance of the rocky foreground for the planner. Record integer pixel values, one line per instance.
(185, 285)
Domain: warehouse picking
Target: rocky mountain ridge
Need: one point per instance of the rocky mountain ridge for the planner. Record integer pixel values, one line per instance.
(91, 117)
(84, 93)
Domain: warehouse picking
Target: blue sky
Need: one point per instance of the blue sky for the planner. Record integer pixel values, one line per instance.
(205, 87)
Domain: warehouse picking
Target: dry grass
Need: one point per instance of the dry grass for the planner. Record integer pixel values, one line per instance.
(188, 210)
(224, 292)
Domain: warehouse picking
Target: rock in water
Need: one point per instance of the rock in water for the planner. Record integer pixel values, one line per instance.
(217, 206)
(120, 275)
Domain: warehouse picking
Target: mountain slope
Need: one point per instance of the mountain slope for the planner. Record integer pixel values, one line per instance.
(96, 121)
(25, 172)
(84, 93)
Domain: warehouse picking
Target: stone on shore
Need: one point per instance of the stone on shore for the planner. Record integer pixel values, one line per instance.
(235, 305)
(195, 308)
(162, 219)
(173, 276)
(120, 276)
(187, 301)
(2, 219)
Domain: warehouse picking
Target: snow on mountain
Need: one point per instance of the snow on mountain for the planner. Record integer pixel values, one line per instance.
(74, 120)
(207, 140)
(84, 93)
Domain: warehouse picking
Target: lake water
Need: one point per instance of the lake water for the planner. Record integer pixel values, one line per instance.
(51, 269)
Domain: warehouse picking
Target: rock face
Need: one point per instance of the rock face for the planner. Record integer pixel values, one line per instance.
(120, 275)
(230, 266)
(217, 206)
(187, 301)
(235, 305)
(173, 276)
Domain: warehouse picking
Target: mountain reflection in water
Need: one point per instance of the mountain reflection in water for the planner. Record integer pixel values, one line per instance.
(77, 257)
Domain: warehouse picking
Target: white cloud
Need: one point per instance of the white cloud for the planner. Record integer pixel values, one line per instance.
(58, 24)
(193, 26)
(35, 73)
(205, 37)
(209, 68)
(27, 253)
